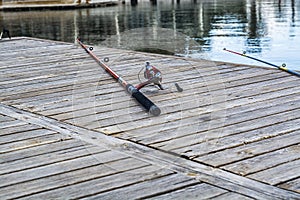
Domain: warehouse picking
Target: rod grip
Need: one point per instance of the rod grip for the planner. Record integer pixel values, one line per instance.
(143, 100)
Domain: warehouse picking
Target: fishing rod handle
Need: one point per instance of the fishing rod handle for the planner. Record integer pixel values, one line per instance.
(143, 100)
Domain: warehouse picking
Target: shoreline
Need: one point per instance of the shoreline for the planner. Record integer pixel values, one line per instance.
(56, 6)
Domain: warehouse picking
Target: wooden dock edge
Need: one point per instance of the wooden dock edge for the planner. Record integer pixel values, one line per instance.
(167, 160)
(29, 7)
(145, 53)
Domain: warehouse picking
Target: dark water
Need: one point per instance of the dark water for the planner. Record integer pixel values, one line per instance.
(266, 29)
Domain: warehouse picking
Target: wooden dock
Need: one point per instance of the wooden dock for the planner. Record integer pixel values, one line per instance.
(69, 131)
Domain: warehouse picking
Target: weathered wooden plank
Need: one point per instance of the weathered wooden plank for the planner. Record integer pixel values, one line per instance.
(49, 158)
(191, 192)
(54, 63)
(99, 184)
(13, 123)
(241, 127)
(40, 150)
(279, 174)
(42, 84)
(58, 167)
(147, 188)
(17, 129)
(265, 161)
(126, 126)
(20, 44)
(232, 114)
(228, 156)
(4, 118)
(55, 91)
(51, 65)
(293, 185)
(68, 179)
(23, 144)
(208, 145)
(24, 135)
(17, 47)
(31, 54)
(231, 196)
(15, 78)
(25, 59)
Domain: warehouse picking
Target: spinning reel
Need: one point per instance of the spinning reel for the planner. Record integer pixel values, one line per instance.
(153, 76)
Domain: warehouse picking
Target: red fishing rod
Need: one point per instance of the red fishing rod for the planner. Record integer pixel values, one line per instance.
(133, 91)
(282, 67)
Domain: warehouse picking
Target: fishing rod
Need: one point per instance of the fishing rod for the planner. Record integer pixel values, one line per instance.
(133, 91)
(282, 67)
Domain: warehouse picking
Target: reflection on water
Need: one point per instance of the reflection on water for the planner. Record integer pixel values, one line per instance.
(267, 29)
